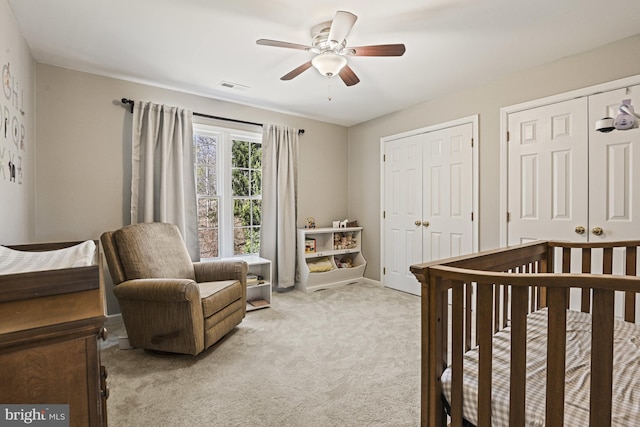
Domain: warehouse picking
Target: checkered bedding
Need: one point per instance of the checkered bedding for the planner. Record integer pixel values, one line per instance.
(626, 374)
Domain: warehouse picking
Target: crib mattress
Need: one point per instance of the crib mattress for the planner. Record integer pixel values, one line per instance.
(626, 375)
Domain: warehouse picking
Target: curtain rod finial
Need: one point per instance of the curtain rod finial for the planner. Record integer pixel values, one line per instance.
(128, 101)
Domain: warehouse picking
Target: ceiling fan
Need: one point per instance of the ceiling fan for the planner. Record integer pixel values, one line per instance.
(329, 43)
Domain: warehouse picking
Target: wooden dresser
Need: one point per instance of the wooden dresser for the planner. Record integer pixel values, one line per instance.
(50, 324)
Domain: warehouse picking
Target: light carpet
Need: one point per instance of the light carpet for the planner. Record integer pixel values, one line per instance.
(348, 356)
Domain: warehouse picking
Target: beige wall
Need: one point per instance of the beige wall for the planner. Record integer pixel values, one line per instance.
(82, 163)
(610, 62)
(17, 198)
(84, 145)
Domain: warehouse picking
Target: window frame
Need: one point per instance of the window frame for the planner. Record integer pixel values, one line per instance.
(225, 137)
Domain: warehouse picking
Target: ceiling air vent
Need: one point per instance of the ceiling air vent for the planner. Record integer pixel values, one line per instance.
(233, 86)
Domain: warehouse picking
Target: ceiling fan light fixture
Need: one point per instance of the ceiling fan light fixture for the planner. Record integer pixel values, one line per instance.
(329, 64)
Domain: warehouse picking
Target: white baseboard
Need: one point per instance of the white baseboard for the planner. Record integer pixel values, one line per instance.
(372, 282)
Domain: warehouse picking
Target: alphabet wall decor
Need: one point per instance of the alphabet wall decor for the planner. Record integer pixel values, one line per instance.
(13, 135)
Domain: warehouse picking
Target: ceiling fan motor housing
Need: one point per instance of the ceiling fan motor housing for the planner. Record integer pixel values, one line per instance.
(321, 42)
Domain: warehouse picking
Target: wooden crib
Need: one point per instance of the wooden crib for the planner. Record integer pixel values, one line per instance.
(468, 301)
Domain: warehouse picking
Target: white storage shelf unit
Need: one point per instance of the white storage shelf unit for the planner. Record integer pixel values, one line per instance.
(261, 291)
(332, 245)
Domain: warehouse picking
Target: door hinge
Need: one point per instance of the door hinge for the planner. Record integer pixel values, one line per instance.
(471, 142)
(384, 157)
(508, 216)
(471, 216)
(384, 214)
(384, 270)
(508, 136)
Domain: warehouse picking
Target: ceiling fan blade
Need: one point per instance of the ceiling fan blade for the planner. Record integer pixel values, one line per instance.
(341, 27)
(348, 76)
(378, 50)
(276, 43)
(296, 72)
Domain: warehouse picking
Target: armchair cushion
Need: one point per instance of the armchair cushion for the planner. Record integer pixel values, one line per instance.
(166, 257)
(217, 295)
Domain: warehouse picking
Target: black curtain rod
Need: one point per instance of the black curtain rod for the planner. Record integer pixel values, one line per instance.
(132, 102)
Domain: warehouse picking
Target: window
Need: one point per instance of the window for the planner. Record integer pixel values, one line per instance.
(228, 167)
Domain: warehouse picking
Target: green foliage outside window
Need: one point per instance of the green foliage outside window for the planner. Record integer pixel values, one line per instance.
(246, 185)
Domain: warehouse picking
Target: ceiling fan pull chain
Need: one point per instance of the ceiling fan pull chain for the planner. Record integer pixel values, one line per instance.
(329, 97)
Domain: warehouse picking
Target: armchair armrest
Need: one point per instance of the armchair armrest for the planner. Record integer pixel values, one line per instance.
(212, 271)
(162, 290)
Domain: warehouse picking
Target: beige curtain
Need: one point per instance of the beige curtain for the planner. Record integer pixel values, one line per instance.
(162, 170)
(279, 203)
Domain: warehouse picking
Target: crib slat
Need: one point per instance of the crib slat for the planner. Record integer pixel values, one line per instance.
(496, 309)
(630, 297)
(556, 350)
(443, 340)
(485, 353)
(457, 316)
(532, 299)
(444, 319)
(585, 303)
(566, 267)
(467, 316)
(566, 260)
(607, 260)
(505, 304)
(519, 297)
(435, 360)
(477, 332)
(601, 358)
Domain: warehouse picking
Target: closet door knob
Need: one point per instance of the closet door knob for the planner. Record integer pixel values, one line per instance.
(418, 223)
(580, 229)
(425, 223)
(597, 231)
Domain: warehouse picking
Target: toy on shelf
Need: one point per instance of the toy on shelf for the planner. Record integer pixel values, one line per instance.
(311, 222)
(345, 262)
(309, 245)
(345, 223)
(344, 240)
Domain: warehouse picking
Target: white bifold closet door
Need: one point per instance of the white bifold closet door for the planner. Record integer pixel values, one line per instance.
(566, 180)
(548, 172)
(614, 170)
(428, 201)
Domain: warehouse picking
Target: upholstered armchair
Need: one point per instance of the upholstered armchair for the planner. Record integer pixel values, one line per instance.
(168, 302)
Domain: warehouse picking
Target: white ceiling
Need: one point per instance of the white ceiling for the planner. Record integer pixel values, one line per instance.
(194, 45)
